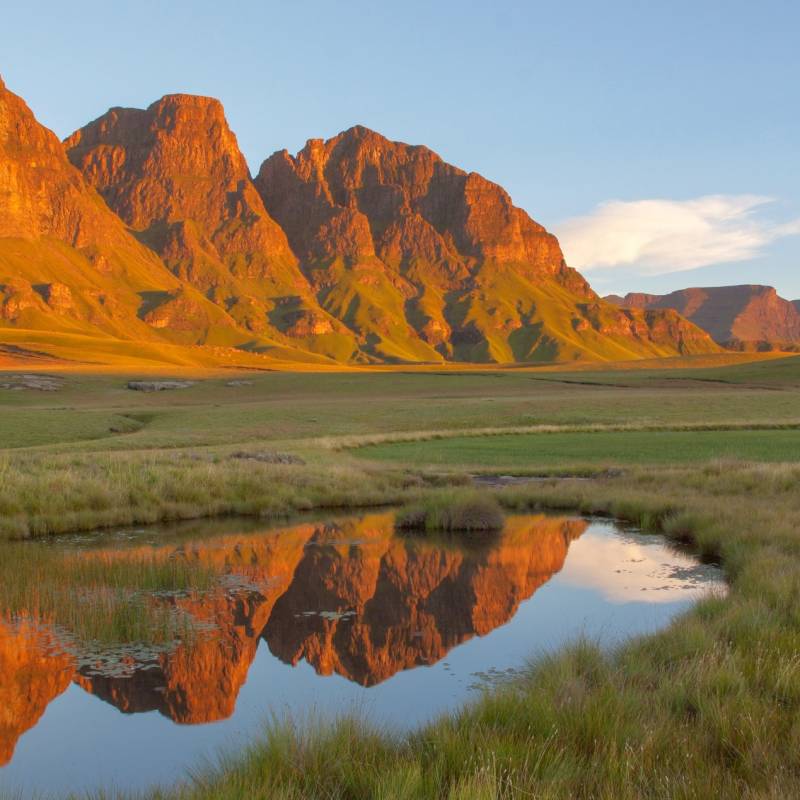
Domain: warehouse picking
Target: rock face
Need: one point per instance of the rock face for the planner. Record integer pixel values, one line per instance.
(41, 195)
(145, 226)
(68, 264)
(174, 173)
(426, 261)
(743, 317)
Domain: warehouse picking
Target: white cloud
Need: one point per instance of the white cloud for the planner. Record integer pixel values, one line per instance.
(652, 237)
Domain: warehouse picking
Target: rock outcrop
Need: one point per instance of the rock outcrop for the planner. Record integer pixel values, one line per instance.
(742, 317)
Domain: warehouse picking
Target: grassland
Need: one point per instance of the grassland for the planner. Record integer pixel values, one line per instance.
(599, 447)
(709, 707)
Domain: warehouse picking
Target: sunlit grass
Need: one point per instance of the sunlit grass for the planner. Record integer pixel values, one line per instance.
(42, 495)
(452, 511)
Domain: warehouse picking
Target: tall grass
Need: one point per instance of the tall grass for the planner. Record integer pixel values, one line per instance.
(44, 494)
(453, 510)
(97, 599)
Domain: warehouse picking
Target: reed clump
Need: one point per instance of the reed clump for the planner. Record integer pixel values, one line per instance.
(452, 511)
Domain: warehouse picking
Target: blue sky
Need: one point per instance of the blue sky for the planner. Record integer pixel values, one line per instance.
(649, 135)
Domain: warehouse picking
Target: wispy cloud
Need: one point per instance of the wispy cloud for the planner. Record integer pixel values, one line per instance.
(652, 237)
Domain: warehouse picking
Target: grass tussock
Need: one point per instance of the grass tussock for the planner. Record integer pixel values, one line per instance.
(452, 511)
(706, 708)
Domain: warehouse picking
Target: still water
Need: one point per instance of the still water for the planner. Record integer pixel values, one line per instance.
(314, 620)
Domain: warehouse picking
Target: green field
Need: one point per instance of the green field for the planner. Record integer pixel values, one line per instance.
(617, 447)
(88, 413)
(706, 708)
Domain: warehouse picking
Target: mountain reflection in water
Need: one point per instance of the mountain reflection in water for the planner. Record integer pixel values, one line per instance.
(349, 597)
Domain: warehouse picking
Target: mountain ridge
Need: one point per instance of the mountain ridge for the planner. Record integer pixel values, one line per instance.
(356, 250)
(742, 316)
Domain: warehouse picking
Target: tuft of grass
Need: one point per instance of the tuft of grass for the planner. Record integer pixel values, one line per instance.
(455, 510)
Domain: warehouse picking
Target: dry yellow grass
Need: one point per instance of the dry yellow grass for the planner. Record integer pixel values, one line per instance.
(72, 352)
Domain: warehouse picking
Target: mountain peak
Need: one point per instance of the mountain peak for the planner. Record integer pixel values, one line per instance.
(175, 173)
(195, 108)
(191, 100)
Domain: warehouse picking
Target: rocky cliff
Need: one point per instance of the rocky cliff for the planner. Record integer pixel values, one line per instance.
(70, 265)
(426, 261)
(174, 173)
(743, 317)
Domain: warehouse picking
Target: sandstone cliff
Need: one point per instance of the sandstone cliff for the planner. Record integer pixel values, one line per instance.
(744, 317)
(426, 261)
(174, 173)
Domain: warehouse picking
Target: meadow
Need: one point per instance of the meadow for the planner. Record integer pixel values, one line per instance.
(705, 455)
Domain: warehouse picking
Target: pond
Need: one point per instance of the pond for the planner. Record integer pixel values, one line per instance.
(313, 620)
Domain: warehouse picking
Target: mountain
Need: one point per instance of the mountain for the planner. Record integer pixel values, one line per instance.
(73, 275)
(143, 236)
(68, 263)
(425, 261)
(175, 175)
(743, 317)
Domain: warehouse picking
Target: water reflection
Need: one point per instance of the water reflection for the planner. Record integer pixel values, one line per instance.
(347, 598)
(34, 671)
